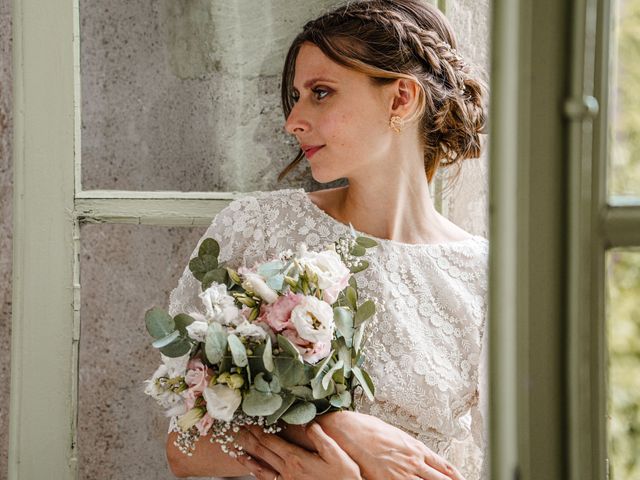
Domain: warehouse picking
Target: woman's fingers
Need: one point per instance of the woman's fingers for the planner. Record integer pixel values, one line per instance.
(257, 469)
(326, 446)
(436, 462)
(253, 444)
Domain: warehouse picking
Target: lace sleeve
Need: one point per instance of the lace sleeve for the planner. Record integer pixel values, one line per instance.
(479, 412)
(238, 229)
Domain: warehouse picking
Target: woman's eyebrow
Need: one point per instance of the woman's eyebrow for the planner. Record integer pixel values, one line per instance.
(311, 81)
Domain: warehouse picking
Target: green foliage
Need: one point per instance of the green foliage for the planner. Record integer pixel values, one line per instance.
(623, 331)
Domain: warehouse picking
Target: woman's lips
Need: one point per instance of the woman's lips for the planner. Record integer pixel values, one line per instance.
(311, 152)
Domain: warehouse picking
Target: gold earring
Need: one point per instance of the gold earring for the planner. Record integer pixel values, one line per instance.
(396, 123)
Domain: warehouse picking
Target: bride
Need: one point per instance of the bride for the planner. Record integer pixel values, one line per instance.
(375, 92)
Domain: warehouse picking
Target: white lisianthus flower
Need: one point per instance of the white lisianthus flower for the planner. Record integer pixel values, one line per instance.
(198, 330)
(222, 401)
(255, 283)
(170, 368)
(333, 275)
(219, 306)
(189, 419)
(313, 320)
(250, 330)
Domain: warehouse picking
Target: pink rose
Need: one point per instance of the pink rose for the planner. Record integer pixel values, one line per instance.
(278, 313)
(198, 375)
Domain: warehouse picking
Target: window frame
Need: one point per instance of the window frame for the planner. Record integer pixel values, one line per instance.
(556, 121)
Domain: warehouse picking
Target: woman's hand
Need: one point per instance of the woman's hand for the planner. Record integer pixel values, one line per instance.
(292, 462)
(383, 451)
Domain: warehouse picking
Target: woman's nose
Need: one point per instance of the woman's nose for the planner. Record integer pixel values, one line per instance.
(295, 123)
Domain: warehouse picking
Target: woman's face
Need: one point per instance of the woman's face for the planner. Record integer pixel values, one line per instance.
(342, 111)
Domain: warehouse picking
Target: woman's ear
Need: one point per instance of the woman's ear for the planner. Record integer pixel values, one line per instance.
(405, 95)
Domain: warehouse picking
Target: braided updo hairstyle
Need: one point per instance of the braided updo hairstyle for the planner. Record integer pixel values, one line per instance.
(410, 39)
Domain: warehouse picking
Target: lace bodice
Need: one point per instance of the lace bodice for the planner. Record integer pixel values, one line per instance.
(425, 343)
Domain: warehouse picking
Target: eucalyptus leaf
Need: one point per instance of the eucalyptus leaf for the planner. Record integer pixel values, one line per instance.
(163, 342)
(287, 401)
(290, 371)
(366, 242)
(341, 400)
(274, 384)
(322, 405)
(180, 347)
(209, 246)
(353, 282)
(357, 338)
(261, 384)
(329, 375)
(321, 392)
(321, 368)
(302, 391)
(344, 354)
(344, 323)
(300, 413)
(365, 382)
(276, 282)
(289, 348)
(364, 312)
(363, 265)
(219, 275)
(358, 250)
(270, 269)
(267, 356)
(238, 351)
(215, 344)
(260, 404)
(159, 323)
(182, 321)
(352, 297)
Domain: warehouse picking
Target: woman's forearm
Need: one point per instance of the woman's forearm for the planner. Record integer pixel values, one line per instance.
(207, 460)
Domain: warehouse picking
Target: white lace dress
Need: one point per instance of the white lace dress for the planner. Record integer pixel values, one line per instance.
(425, 349)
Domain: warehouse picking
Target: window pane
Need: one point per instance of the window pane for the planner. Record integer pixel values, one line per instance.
(623, 330)
(624, 162)
(184, 95)
(125, 270)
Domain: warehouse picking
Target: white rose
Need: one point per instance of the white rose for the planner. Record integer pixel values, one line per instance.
(255, 283)
(250, 330)
(222, 401)
(220, 306)
(333, 275)
(313, 320)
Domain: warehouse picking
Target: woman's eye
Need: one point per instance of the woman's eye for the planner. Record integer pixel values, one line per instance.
(319, 91)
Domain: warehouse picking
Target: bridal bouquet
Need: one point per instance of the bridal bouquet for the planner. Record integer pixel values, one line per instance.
(278, 343)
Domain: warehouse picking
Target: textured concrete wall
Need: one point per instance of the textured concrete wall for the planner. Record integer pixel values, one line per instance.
(178, 95)
(183, 94)
(6, 193)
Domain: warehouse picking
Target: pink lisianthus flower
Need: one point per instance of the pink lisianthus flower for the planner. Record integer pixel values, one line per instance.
(198, 376)
(190, 398)
(277, 315)
(204, 424)
(311, 352)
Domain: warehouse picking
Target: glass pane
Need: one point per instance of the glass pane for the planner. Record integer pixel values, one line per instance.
(624, 134)
(184, 94)
(623, 331)
(125, 270)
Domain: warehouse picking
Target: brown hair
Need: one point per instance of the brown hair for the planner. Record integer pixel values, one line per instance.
(391, 39)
